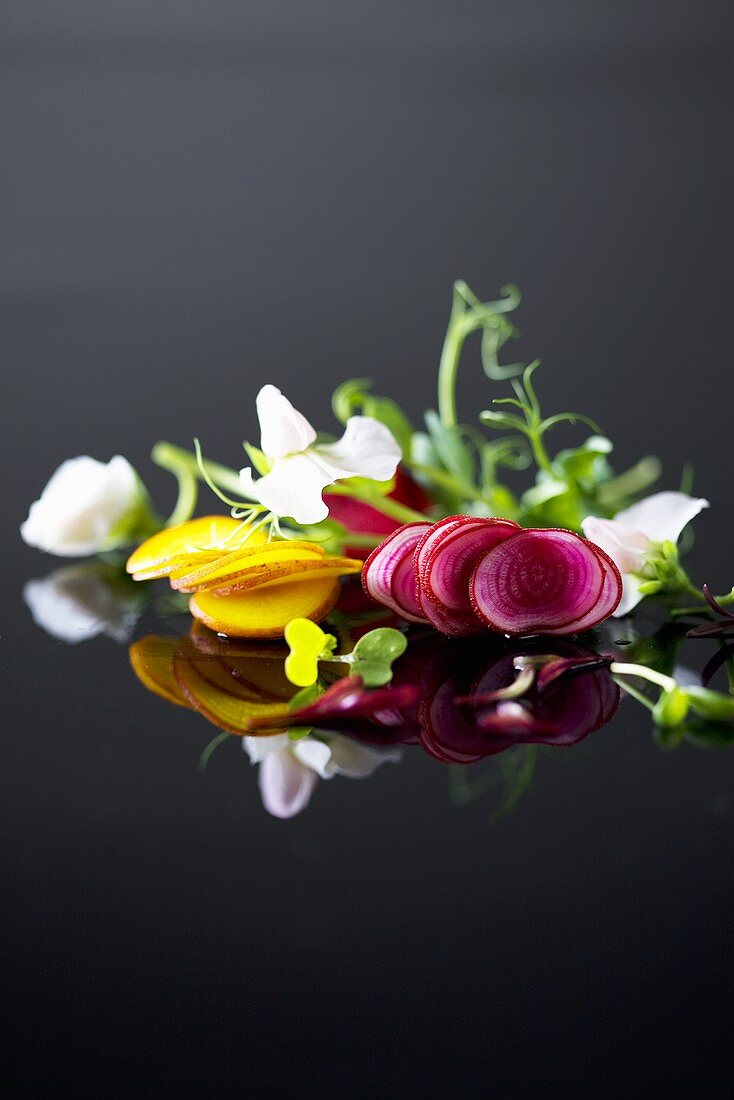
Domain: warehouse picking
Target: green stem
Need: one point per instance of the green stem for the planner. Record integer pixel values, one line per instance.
(619, 668)
(171, 457)
(539, 452)
(386, 505)
(448, 367)
(447, 481)
(633, 691)
(175, 458)
(188, 491)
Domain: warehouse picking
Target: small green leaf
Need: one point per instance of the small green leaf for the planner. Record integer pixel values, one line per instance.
(297, 733)
(308, 645)
(374, 653)
(305, 697)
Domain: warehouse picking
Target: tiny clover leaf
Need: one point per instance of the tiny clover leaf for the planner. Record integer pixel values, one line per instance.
(308, 643)
(374, 653)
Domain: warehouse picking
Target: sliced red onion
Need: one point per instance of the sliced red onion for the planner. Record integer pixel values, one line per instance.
(379, 570)
(539, 581)
(445, 570)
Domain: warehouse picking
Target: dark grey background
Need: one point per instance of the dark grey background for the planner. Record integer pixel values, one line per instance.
(197, 199)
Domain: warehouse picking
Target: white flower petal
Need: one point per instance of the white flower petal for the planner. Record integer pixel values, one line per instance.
(293, 488)
(314, 754)
(631, 595)
(283, 430)
(624, 545)
(285, 785)
(82, 504)
(257, 748)
(662, 516)
(358, 761)
(367, 449)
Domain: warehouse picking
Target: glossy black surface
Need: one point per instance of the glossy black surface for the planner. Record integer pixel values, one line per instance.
(200, 202)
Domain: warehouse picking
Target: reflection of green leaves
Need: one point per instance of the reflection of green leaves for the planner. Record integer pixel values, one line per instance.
(713, 705)
(354, 398)
(374, 653)
(671, 708)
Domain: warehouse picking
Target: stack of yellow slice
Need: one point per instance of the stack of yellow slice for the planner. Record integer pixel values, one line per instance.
(241, 583)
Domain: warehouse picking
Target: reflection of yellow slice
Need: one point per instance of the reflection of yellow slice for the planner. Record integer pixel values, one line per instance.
(220, 707)
(265, 612)
(187, 540)
(255, 679)
(209, 573)
(152, 662)
(233, 649)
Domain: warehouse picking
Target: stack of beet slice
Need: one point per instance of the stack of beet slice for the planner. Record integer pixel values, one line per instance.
(465, 574)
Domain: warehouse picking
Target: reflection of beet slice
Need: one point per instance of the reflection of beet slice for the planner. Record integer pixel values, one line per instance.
(571, 707)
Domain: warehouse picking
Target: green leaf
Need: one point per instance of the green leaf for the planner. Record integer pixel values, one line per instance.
(297, 733)
(305, 697)
(451, 447)
(374, 653)
(586, 465)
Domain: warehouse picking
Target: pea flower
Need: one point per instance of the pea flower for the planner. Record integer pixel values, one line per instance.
(87, 507)
(290, 770)
(638, 541)
(296, 469)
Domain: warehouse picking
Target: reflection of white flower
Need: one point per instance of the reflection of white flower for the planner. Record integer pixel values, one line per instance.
(79, 602)
(84, 505)
(289, 770)
(635, 534)
(300, 469)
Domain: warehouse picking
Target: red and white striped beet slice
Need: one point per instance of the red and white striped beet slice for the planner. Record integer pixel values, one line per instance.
(611, 594)
(433, 536)
(446, 574)
(538, 581)
(380, 566)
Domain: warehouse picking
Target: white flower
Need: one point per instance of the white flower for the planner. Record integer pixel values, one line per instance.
(83, 506)
(78, 602)
(631, 539)
(289, 770)
(300, 470)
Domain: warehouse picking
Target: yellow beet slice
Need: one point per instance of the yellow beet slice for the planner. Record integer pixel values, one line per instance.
(245, 557)
(203, 535)
(223, 709)
(265, 612)
(281, 572)
(151, 658)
